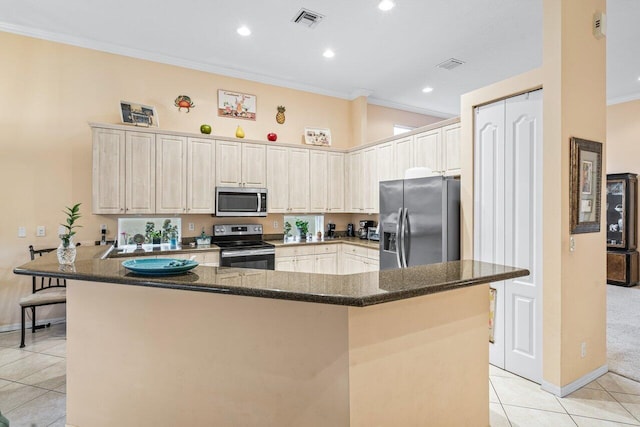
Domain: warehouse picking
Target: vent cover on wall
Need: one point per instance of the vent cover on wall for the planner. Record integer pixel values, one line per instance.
(307, 18)
(450, 64)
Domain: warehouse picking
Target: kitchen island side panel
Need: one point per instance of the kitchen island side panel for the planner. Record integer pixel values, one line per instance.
(422, 361)
(143, 356)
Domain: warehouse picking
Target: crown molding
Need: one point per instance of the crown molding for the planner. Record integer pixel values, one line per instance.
(626, 98)
(412, 109)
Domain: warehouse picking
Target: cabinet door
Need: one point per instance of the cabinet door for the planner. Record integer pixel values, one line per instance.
(228, 164)
(354, 202)
(298, 180)
(277, 179)
(285, 264)
(427, 150)
(326, 264)
(318, 181)
(451, 149)
(369, 185)
(304, 263)
(140, 173)
(254, 165)
(171, 174)
(108, 171)
(404, 156)
(335, 182)
(201, 155)
(386, 162)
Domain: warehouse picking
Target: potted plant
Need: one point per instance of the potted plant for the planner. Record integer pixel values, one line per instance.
(67, 249)
(287, 230)
(303, 228)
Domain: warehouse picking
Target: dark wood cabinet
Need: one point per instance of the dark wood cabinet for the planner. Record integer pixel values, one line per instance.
(621, 228)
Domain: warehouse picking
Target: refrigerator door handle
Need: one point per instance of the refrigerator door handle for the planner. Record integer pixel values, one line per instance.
(403, 233)
(398, 246)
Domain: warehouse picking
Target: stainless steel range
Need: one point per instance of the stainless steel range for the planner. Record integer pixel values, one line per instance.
(241, 246)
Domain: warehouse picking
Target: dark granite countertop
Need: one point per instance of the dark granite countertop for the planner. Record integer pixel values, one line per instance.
(358, 290)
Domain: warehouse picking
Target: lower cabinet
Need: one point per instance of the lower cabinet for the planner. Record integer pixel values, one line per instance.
(308, 259)
(358, 259)
(206, 259)
(622, 268)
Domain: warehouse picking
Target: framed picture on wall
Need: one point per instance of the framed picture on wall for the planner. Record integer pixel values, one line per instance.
(585, 186)
(236, 105)
(135, 114)
(317, 136)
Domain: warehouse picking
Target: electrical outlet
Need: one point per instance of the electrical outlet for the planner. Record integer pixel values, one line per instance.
(22, 232)
(40, 231)
(192, 226)
(583, 349)
(572, 244)
(275, 225)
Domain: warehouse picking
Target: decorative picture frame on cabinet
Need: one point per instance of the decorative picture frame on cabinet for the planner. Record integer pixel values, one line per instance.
(317, 136)
(237, 105)
(585, 185)
(132, 113)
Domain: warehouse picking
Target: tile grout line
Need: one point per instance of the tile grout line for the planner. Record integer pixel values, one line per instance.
(504, 411)
(619, 403)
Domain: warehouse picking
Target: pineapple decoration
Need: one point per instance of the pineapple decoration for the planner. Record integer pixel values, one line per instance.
(280, 118)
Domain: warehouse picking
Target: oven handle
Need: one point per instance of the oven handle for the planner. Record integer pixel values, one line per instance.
(249, 252)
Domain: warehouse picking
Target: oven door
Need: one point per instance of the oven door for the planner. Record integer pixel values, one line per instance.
(236, 201)
(262, 259)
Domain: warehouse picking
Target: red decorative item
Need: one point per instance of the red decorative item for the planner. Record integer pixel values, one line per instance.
(272, 136)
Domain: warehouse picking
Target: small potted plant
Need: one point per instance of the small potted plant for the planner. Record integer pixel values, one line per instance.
(303, 228)
(287, 230)
(67, 249)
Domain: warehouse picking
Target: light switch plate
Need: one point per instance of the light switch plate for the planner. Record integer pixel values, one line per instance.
(40, 231)
(22, 232)
(192, 226)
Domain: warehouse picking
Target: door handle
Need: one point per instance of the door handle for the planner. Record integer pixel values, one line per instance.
(259, 202)
(403, 233)
(398, 247)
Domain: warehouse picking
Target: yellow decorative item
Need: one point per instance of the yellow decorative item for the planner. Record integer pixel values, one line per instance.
(280, 118)
(239, 132)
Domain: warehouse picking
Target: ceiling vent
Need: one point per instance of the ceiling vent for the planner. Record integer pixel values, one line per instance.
(450, 64)
(307, 18)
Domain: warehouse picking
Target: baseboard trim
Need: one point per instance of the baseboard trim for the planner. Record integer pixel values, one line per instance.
(575, 385)
(17, 326)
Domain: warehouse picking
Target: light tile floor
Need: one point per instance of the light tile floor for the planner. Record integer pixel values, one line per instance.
(33, 391)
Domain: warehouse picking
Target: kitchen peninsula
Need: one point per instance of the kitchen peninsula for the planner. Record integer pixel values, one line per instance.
(224, 346)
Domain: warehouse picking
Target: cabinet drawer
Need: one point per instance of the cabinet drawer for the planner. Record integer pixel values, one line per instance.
(355, 250)
(295, 251)
(373, 254)
(326, 249)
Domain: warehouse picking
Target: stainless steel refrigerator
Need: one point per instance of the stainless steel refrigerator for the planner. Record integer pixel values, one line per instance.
(419, 221)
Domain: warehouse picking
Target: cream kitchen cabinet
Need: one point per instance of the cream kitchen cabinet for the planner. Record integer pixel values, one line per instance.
(123, 172)
(370, 180)
(335, 181)
(386, 162)
(184, 175)
(320, 258)
(451, 149)
(171, 174)
(428, 150)
(404, 157)
(354, 182)
(318, 186)
(201, 184)
(240, 164)
(287, 179)
(358, 259)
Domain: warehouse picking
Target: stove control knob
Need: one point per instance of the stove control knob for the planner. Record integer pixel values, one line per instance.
(256, 228)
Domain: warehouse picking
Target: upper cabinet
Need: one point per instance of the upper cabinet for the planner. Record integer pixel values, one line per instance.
(451, 149)
(318, 186)
(171, 174)
(240, 164)
(287, 179)
(335, 182)
(201, 183)
(428, 150)
(140, 173)
(108, 171)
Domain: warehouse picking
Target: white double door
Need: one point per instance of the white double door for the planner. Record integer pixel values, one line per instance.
(508, 224)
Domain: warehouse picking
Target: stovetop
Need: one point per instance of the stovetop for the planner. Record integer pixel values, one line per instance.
(243, 244)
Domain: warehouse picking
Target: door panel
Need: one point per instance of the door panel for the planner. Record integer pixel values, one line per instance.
(424, 211)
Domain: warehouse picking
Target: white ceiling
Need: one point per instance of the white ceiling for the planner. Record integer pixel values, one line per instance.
(388, 56)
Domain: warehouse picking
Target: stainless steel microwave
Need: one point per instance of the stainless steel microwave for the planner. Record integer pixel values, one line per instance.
(241, 201)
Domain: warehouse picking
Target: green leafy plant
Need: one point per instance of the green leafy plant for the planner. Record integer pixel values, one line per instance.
(303, 226)
(73, 214)
(287, 228)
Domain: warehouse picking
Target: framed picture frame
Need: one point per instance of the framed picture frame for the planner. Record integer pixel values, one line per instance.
(237, 105)
(317, 136)
(585, 186)
(132, 113)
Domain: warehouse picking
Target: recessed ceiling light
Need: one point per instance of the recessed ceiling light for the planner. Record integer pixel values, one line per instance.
(386, 5)
(244, 31)
(329, 53)
(427, 89)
